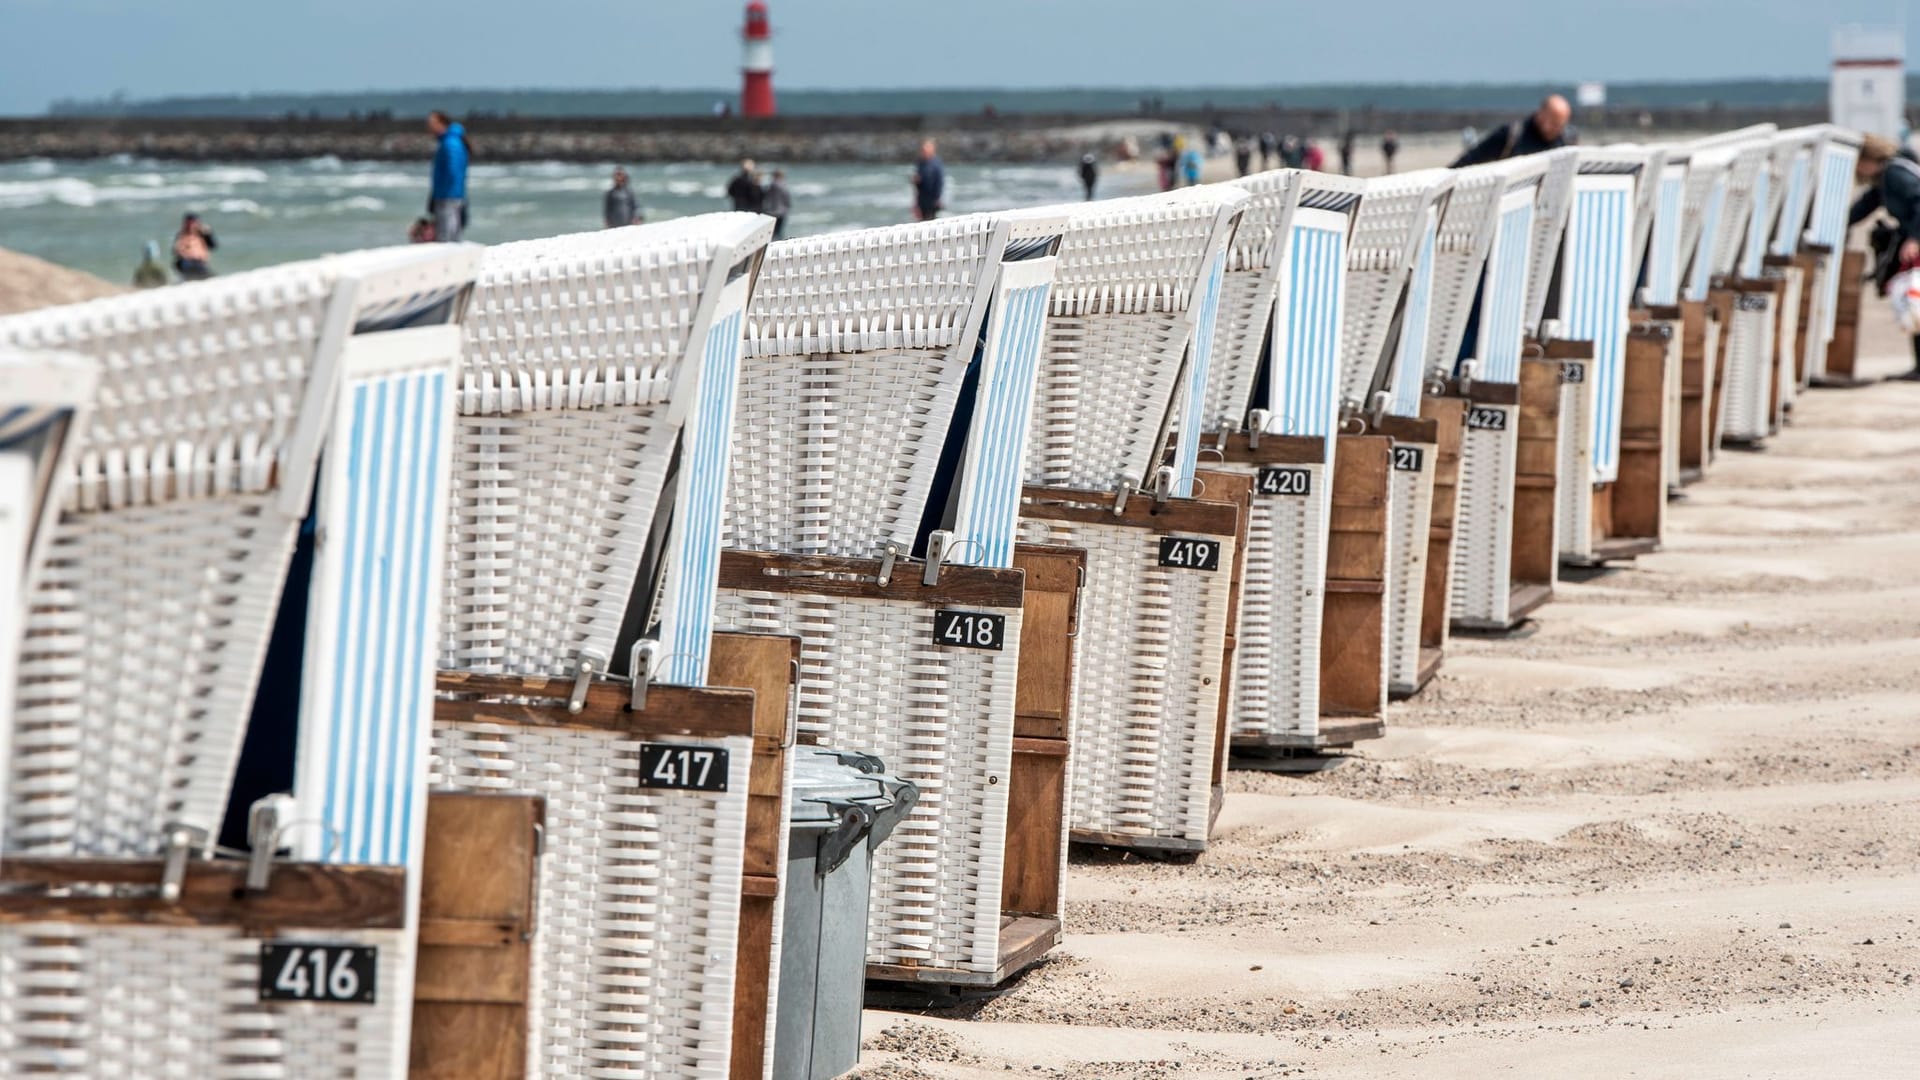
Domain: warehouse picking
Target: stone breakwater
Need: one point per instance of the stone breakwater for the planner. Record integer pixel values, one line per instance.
(1026, 137)
(523, 139)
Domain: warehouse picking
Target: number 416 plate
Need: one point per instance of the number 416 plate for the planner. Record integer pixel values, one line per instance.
(328, 974)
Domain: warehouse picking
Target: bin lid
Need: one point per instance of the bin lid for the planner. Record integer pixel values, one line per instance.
(822, 777)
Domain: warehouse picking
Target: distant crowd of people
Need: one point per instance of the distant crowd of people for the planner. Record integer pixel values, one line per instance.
(748, 194)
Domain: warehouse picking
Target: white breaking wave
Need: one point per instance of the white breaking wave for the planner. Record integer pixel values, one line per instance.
(66, 190)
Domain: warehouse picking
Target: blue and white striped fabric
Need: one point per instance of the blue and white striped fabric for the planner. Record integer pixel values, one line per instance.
(1186, 457)
(1409, 374)
(1700, 278)
(1830, 200)
(1793, 208)
(1596, 286)
(1663, 249)
(1304, 380)
(1753, 253)
(989, 510)
(706, 451)
(372, 630)
(1509, 263)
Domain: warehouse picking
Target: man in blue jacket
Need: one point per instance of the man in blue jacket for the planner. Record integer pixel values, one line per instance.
(447, 205)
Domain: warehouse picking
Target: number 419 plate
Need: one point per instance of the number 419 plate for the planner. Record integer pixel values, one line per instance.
(687, 768)
(328, 974)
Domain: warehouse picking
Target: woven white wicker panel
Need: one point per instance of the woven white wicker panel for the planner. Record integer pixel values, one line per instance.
(1736, 219)
(1480, 585)
(899, 288)
(1824, 282)
(584, 355)
(1276, 665)
(1409, 364)
(1596, 282)
(1304, 385)
(1460, 251)
(1504, 295)
(1746, 408)
(1411, 517)
(1554, 202)
(1254, 261)
(1793, 162)
(1700, 268)
(638, 913)
(1387, 231)
(84, 1000)
(1139, 255)
(872, 680)
(1575, 490)
(1147, 692)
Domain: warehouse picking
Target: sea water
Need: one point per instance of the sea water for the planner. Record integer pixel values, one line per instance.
(94, 215)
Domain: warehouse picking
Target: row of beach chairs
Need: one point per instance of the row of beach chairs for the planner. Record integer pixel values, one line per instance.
(410, 650)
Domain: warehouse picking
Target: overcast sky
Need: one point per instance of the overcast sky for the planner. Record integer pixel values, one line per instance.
(149, 48)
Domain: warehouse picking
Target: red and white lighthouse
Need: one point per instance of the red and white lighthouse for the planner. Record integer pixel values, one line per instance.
(756, 62)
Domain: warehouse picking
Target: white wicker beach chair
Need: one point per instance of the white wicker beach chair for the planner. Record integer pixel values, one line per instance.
(1128, 349)
(594, 365)
(1398, 219)
(1492, 245)
(197, 468)
(1551, 208)
(1834, 157)
(857, 355)
(1745, 412)
(1275, 392)
(1595, 280)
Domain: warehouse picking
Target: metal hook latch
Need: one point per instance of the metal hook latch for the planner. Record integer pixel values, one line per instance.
(888, 555)
(1381, 399)
(1120, 496)
(939, 541)
(265, 818)
(584, 670)
(642, 662)
(1467, 369)
(1256, 427)
(182, 841)
(1163, 481)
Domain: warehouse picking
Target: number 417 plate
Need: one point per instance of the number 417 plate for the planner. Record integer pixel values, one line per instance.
(687, 768)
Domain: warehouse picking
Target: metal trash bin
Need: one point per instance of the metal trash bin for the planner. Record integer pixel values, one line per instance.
(844, 807)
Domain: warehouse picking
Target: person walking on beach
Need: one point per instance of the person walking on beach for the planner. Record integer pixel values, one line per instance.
(151, 273)
(1892, 176)
(1390, 148)
(447, 202)
(1292, 153)
(929, 183)
(193, 249)
(1243, 155)
(777, 203)
(619, 208)
(1312, 158)
(1168, 159)
(744, 189)
(1269, 149)
(1190, 166)
(1545, 130)
(1089, 174)
(1346, 151)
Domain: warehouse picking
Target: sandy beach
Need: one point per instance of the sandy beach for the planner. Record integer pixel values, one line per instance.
(1672, 831)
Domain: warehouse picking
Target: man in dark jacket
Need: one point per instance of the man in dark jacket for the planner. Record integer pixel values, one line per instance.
(1545, 130)
(744, 189)
(1892, 176)
(929, 183)
(620, 207)
(777, 203)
